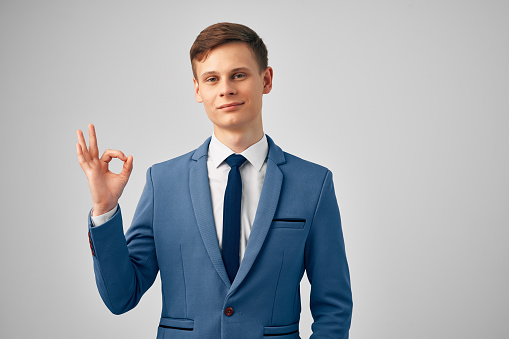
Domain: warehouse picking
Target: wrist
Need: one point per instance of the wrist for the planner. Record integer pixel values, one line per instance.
(99, 210)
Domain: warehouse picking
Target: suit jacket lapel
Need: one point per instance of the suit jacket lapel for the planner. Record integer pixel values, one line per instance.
(267, 204)
(202, 205)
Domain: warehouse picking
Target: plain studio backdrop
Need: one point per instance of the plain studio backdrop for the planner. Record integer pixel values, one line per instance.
(406, 102)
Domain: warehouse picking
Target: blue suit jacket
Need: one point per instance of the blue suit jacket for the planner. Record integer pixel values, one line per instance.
(297, 227)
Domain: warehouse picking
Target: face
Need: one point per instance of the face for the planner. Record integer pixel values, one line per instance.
(230, 86)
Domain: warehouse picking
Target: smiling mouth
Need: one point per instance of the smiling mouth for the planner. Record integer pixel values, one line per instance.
(233, 105)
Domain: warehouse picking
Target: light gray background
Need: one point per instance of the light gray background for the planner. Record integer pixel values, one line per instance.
(405, 101)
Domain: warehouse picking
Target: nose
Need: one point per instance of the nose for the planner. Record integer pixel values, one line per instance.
(227, 88)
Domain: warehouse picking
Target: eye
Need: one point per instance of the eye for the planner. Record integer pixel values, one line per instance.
(211, 79)
(239, 76)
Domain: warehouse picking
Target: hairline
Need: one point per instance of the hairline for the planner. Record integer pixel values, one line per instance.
(206, 54)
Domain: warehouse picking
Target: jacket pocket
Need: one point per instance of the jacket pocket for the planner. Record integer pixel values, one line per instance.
(177, 324)
(286, 332)
(288, 223)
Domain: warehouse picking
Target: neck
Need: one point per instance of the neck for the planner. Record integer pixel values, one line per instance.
(238, 141)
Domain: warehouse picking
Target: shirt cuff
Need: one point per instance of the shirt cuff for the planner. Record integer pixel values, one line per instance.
(98, 220)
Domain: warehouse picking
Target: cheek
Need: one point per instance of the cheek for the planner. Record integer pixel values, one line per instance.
(256, 97)
(208, 99)
(254, 91)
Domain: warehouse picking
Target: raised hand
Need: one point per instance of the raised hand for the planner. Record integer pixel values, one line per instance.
(106, 187)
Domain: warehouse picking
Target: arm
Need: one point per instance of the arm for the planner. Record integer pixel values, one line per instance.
(125, 267)
(327, 269)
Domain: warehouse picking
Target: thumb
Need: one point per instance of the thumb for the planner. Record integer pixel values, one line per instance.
(128, 167)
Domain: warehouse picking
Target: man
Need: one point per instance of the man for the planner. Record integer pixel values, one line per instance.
(232, 225)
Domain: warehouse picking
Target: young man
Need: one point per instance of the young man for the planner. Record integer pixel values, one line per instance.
(231, 225)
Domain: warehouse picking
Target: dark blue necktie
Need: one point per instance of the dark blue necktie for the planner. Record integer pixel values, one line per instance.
(231, 216)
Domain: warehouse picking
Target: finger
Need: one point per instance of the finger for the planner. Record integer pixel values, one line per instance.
(92, 141)
(127, 168)
(110, 154)
(83, 162)
(81, 140)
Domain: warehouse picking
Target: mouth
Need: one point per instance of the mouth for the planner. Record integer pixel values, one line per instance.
(231, 106)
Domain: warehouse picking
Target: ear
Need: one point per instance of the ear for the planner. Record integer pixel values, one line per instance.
(197, 91)
(267, 80)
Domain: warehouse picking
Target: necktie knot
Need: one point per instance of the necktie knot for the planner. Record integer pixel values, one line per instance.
(235, 160)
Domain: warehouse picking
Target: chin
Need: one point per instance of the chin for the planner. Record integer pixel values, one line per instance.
(232, 121)
(231, 125)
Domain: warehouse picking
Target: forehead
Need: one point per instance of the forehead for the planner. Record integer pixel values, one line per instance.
(227, 57)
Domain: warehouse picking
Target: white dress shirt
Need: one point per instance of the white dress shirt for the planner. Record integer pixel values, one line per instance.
(252, 173)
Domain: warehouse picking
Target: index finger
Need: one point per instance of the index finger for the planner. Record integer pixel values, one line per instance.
(92, 141)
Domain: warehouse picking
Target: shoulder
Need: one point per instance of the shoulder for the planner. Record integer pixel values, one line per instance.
(292, 164)
(174, 165)
(302, 175)
(180, 164)
(296, 164)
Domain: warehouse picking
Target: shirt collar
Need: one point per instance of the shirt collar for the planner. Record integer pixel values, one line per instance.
(255, 153)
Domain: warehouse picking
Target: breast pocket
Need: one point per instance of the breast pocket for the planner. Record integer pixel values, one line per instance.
(297, 223)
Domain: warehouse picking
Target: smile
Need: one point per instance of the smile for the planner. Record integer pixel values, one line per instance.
(231, 106)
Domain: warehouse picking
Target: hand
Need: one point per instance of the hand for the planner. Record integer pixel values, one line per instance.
(106, 187)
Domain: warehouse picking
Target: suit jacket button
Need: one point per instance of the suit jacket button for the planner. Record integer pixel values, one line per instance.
(228, 311)
(90, 242)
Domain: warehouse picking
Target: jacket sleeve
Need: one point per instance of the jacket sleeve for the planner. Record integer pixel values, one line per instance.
(125, 266)
(327, 269)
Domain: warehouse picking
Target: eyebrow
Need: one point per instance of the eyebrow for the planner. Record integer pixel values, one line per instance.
(238, 69)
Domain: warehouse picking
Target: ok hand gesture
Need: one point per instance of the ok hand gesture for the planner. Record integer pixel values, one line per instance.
(106, 187)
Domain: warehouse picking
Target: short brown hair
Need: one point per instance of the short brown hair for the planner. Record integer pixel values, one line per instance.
(222, 33)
